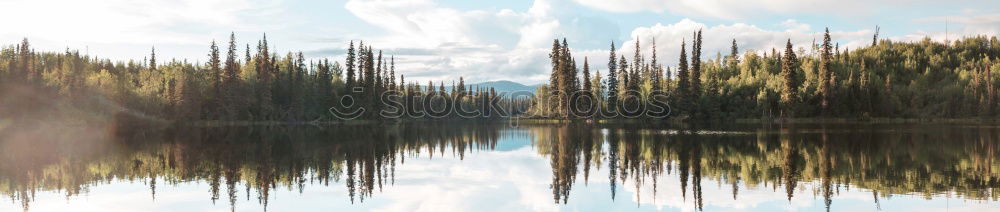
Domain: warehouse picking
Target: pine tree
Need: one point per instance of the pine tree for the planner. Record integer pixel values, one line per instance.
(231, 79)
(683, 84)
(657, 75)
(152, 58)
(461, 86)
(246, 55)
(789, 93)
(215, 72)
(379, 75)
(637, 64)
(555, 77)
(612, 79)
(350, 66)
(825, 74)
(588, 101)
(392, 72)
(265, 78)
(567, 80)
(734, 56)
(695, 78)
(875, 37)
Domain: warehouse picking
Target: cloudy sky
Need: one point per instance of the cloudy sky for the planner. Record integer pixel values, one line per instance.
(481, 40)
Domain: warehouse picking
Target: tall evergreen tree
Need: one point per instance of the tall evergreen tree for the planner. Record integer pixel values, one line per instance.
(683, 82)
(152, 58)
(696, 69)
(215, 73)
(555, 78)
(825, 73)
(265, 78)
(612, 79)
(657, 75)
(567, 79)
(789, 92)
(392, 72)
(734, 56)
(586, 85)
(350, 66)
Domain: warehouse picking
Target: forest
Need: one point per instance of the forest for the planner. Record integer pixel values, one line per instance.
(261, 86)
(888, 79)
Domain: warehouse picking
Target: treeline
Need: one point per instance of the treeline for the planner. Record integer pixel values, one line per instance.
(923, 79)
(262, 85)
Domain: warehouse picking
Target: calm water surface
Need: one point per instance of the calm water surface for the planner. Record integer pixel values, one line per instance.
(496, 167)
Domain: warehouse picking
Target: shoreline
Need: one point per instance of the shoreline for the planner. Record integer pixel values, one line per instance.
(218, 123)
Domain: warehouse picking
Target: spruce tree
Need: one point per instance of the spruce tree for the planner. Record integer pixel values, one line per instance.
(231, 78)
(734, 56)
(657, 75)
(695, 77)
(789, 92)
(825, 73)
(350, 66)
(152, 57)
(612, 79)
(555, 77)
(567, 79)
(392, 73)
(588, 103)
(215, 73)
(683, 84)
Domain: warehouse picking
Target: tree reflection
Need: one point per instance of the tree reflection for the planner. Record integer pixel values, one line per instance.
(885, 160)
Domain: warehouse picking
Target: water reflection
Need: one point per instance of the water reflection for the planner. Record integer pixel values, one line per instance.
(884, 160)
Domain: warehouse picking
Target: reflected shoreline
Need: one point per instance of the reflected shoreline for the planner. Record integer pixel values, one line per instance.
(883, 159)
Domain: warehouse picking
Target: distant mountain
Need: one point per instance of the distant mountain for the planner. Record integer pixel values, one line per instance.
(506, 86)
(501, 86)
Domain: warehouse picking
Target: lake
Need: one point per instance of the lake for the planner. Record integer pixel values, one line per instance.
(501, 167)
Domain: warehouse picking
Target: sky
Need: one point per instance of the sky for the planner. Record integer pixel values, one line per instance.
(443, 40)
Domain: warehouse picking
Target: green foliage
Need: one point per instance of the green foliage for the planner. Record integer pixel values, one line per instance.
(265, 87)
(922, 79)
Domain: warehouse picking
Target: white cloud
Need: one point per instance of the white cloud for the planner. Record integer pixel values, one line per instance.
(124, 29)
(959, 26)
(481, 45)
(742, 10)
(129, 22)
(730, 9)
(718, 39)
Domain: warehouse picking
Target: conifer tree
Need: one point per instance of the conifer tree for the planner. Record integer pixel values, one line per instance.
(612, 79)
(350, 66)
(392, 72)
(215, 73)
(825, 74)
(657, 75)
(152, 57)
(734, 56)
(695, 77)
(246, 54)
(789, 64)
(588, 103)
(556, 77)
(683, 84)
